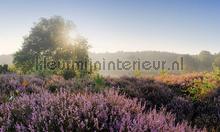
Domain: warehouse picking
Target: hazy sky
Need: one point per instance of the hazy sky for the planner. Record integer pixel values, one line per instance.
(182, 26)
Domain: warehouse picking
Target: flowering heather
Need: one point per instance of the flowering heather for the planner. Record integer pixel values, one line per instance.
(84, 112)
(173, 96)
(13, 81)
(143, 88)
(12, 85)
(55, 83)
(150, 91)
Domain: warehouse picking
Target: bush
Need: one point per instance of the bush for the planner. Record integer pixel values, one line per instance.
(206, 115)
(213, 97)
(55, 83)
(11, 85)
(202, 112)
(173, 96)
(200, 88)
(83, 112)
(99, 82)
(182, 108)
(4, 69)
(69, 74)
(153, 92)
(179, 84)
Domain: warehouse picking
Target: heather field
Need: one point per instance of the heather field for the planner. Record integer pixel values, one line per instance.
(110, 66)
(175, 103)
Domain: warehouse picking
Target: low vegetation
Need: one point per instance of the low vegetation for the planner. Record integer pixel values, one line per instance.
(33, 98)
(97, 103)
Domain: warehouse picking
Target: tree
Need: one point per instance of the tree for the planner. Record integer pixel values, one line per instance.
(190, 63)
(217, 61)
(3, 69)
(206, 60)
(50, 38)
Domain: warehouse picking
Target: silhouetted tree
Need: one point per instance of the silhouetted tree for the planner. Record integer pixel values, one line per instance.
(50, 38)
(3, 69)
(190, 63)
(217, 60)
(206, 59)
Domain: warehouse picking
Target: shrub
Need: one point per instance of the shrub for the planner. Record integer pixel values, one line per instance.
(145, 89)
(69, 74)
(180, 83)
(202, 112)
(213, 97)
(55, 83)
(99, 82)
(11, 85)
(177, 102)
(200, 88)
(83, 112)
(4, 69)
(208, 110)
(195, 85)
(53, 88)
(182, 108)
(206, 115)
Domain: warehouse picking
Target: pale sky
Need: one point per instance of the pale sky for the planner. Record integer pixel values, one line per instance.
(181, 26)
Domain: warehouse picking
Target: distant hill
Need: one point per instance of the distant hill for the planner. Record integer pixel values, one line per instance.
(7, 59)
(200, 62)
(131, 57)
(190, 63)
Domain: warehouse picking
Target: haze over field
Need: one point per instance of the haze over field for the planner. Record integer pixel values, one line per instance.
(174, 26)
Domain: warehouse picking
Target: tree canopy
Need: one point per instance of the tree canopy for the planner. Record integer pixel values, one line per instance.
(50, 38)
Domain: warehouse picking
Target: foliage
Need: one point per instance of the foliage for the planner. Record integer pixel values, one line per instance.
(167, 91)
(182, 108)
(200, 88)
(203, 86)
(83, 112)
(12, 85)
(217, 60)
(192, 63)
(137, 73)
(206, 59)
(69, 74)
(12, 69)
(170, 91)
(73, 85)
(180, 83)
(49, 38)
(99, 82)
(206, 115)
(164, 72)
(216, 73)
(4, 69)
(146, 89)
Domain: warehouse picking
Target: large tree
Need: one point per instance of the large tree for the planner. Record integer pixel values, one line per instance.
(190, 63)
(50, 38)
(206, 59)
